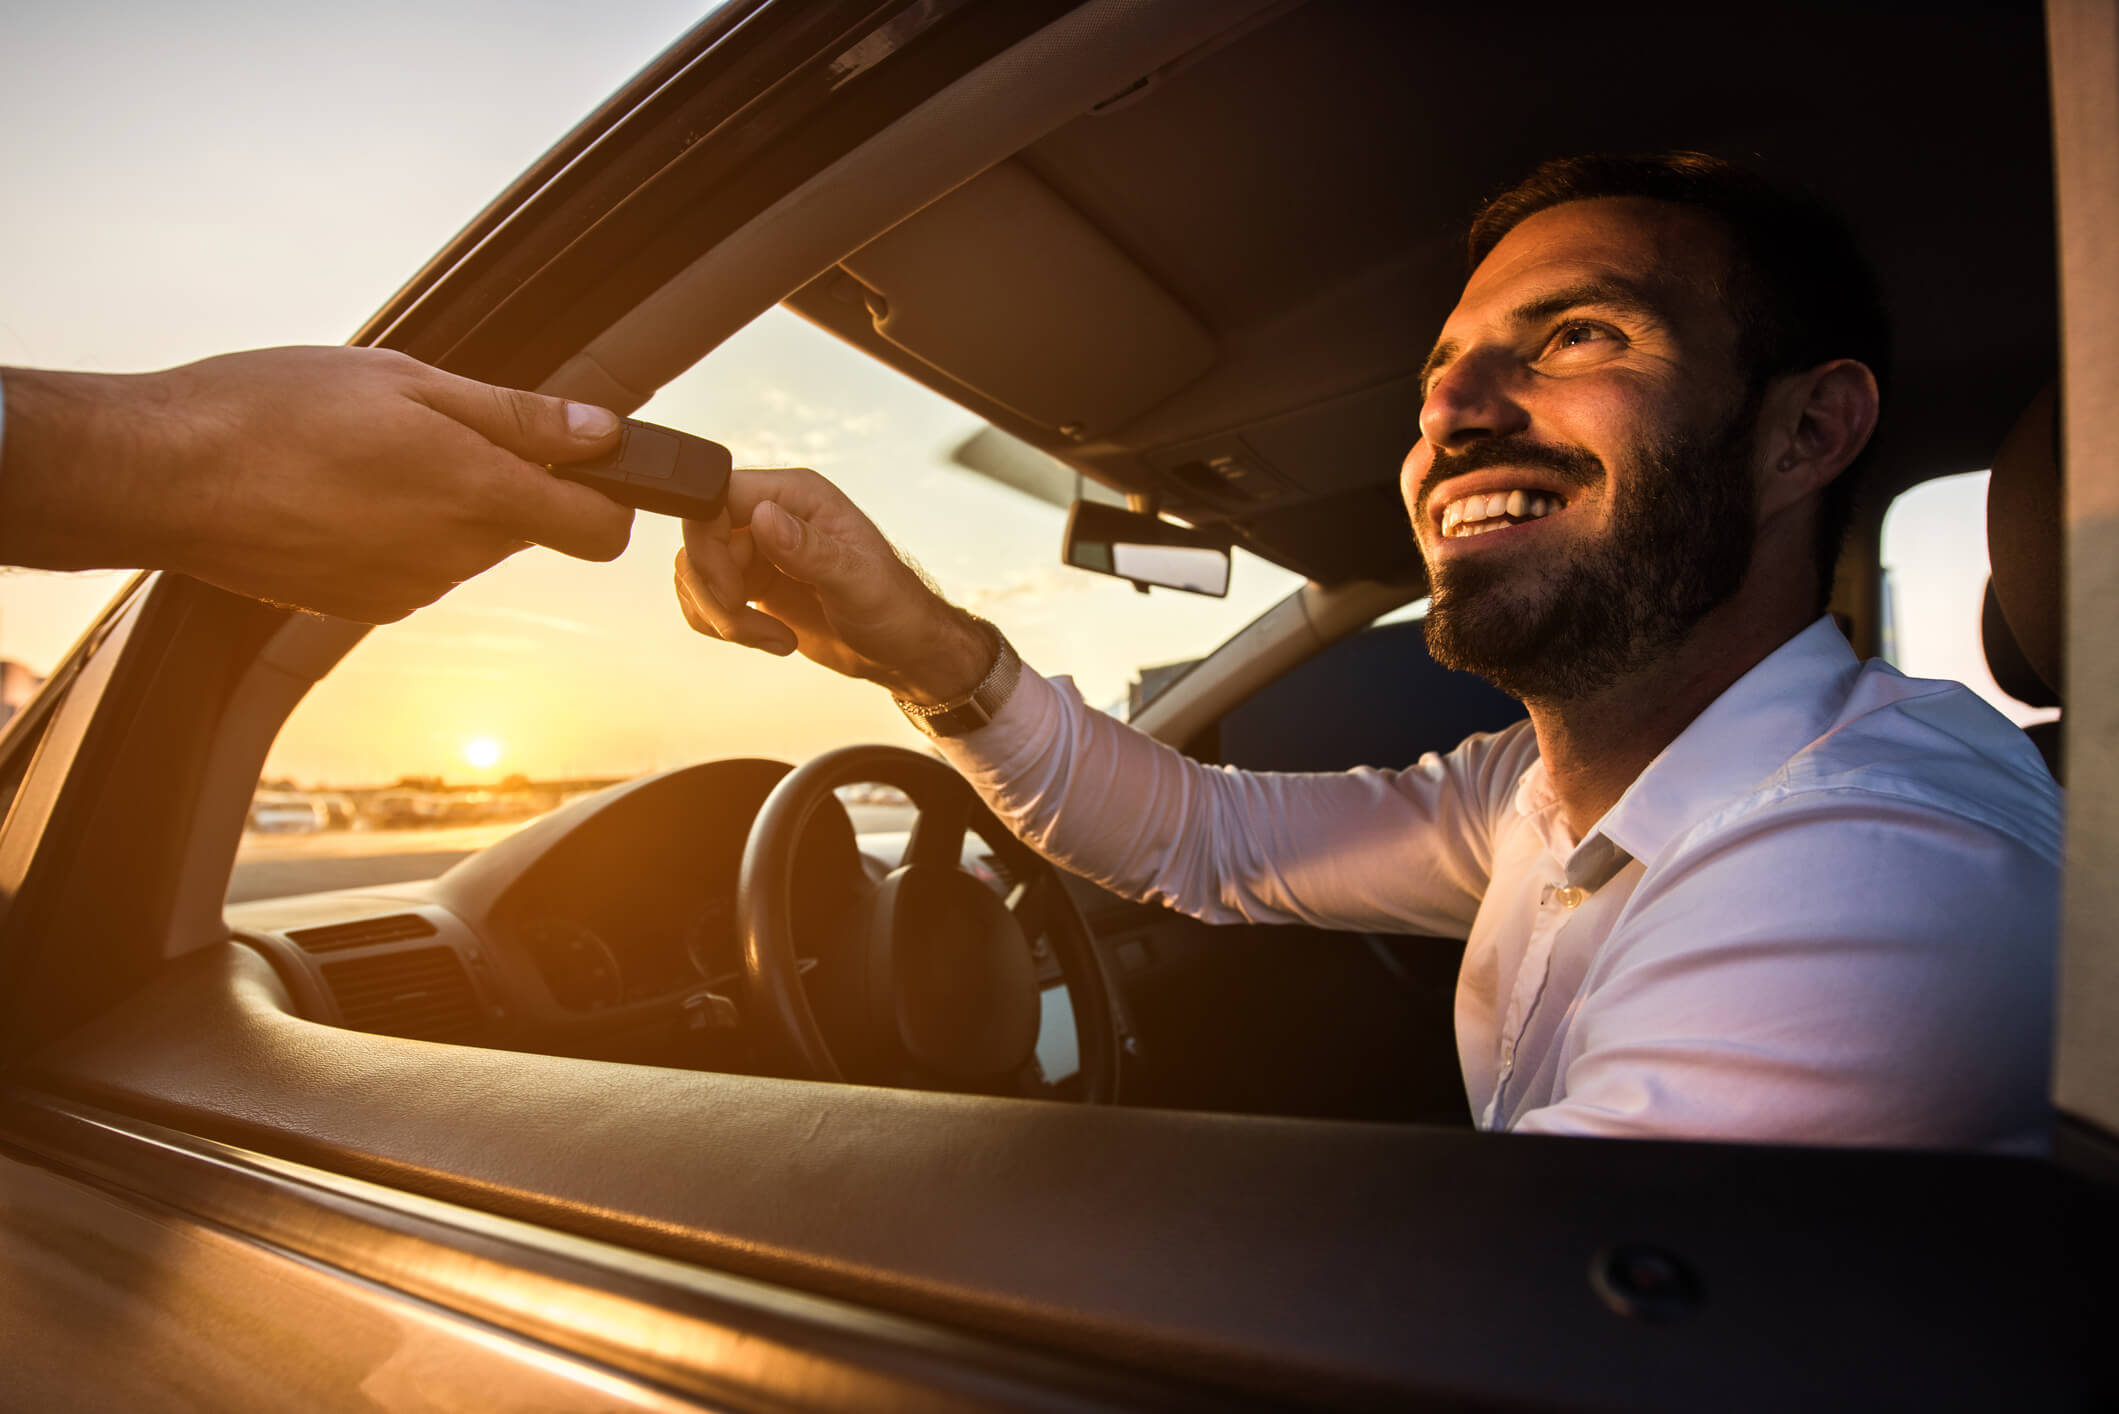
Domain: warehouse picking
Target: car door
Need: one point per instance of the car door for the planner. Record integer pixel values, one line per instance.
(263, 1205)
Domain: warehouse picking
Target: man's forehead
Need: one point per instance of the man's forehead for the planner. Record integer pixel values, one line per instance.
(1657, 252)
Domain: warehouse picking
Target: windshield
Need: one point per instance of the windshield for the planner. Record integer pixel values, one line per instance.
(548, 676)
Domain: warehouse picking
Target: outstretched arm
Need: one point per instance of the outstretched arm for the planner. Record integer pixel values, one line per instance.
(794, 565)
(356, 482)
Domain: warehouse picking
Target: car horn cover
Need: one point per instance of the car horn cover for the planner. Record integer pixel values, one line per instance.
(962, 991)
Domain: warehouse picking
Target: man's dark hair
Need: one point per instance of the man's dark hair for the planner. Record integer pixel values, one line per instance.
(1799, 291)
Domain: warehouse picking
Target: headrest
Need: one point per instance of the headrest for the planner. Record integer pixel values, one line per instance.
(2024, 539)
(2005, 658)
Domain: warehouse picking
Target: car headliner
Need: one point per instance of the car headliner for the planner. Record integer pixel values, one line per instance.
(1298, 192)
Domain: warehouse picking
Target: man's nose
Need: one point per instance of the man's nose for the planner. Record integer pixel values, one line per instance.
(1469, 400)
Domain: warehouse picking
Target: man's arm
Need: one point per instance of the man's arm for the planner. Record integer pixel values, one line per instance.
(1373, 850)
(1368, 850)
(355, 482)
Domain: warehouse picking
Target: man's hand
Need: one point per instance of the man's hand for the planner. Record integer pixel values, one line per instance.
(826, 583)
(355, 482)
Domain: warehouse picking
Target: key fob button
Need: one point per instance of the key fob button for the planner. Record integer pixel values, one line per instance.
(648, 454)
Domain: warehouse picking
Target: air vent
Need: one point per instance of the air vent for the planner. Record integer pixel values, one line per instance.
(362, 932)
(423, 994)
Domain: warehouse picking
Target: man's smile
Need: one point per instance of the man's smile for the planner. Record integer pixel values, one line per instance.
(1477, 515)
(1481, 504)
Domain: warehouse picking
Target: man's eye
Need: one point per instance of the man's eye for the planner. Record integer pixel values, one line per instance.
(1572, 335)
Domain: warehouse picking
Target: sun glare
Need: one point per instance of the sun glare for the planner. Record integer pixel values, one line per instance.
(482, 752)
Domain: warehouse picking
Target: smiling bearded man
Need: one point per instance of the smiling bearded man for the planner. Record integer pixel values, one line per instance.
(1680, 545)
(1726, 881)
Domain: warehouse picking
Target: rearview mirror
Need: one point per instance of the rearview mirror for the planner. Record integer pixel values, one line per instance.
(1147, 549)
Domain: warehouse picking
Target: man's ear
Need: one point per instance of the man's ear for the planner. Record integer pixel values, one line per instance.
(1817, 423)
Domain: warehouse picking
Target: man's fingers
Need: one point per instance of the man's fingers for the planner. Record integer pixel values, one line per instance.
(799, 522)
(734, 622)
(688, 602)
(531, 431)
(800, 552)
(710, 544)
(568, 517)
(701, 609)
(534, 427)
(796, 488)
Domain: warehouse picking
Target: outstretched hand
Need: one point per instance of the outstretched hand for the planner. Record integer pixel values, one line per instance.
(355, 482)
(825, 583)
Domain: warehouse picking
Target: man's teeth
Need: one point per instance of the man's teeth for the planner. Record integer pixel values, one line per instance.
(1475, 515)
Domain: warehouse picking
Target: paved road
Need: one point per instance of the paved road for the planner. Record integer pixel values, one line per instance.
(274, 866)
(277, 866)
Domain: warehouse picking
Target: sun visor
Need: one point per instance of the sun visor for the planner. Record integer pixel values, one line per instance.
(1008, 290)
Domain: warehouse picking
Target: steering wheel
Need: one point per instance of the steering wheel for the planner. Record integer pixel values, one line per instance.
(934, 982)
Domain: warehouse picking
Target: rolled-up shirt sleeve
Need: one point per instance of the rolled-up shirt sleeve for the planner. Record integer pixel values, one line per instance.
(1381, 851)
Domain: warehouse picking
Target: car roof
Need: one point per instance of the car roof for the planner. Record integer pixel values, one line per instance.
(1217, 287)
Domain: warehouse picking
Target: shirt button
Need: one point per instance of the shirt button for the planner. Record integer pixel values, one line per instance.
(1565, 895)
(1508, 1050)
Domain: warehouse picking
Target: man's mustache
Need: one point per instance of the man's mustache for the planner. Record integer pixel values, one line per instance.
(1572, 467)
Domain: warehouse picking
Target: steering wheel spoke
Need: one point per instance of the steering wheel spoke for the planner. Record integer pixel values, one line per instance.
(1036, 904)
(1027, 902)
(938, 832)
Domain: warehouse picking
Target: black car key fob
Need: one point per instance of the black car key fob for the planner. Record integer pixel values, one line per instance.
(657, 469)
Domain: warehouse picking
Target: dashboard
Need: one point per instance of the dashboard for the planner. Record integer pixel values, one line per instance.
(606, 929)
(587, 932)
(638, 902)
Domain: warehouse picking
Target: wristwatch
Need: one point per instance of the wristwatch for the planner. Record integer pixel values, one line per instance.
(977, 707)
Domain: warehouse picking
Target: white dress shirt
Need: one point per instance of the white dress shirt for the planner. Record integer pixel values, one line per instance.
(1826, 913)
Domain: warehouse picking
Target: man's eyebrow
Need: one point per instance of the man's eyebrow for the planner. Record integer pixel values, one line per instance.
(1611, 292)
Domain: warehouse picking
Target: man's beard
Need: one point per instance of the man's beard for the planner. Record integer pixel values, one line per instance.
(1678, 546)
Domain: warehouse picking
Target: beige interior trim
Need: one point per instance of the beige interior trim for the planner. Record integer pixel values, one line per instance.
(44, 780)
(304, 648)
(1347, 339)
(2083, 40)
(1005, 286)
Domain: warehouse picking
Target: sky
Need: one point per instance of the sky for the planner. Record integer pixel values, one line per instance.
(188, 180)
(236, 175)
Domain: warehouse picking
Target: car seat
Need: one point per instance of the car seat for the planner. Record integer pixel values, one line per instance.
(2022, 625)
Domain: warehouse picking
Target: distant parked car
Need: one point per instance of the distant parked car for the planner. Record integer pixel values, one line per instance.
(402, 810)
(279, 812)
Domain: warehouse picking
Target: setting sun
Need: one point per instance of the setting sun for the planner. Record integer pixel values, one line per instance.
(482, 752)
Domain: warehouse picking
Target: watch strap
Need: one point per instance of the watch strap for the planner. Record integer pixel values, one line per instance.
(980, 705)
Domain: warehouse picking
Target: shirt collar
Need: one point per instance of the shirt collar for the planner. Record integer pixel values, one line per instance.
(1784, 703)
(1589, 864)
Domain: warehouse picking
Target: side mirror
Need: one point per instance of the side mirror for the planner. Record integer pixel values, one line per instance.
(1147, 549)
